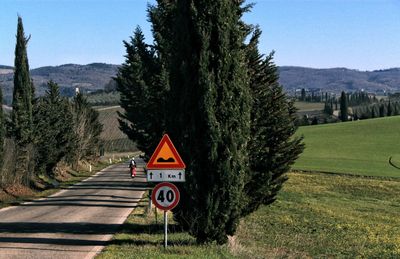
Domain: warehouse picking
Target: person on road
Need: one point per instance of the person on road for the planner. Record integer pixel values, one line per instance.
(132, 166)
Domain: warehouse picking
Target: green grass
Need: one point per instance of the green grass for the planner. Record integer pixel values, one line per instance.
(142, 237)
(328, 216)
(307, 106)
(359, 147)
(316, 215)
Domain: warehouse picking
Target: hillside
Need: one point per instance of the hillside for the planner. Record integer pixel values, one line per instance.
(95, 76)
(88, 78)
(113, 138)
(358, 147)
(340, 79)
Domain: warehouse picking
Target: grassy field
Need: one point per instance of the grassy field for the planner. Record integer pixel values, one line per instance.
(316, 215)
(307, 106)
(359, 147)
(114, 139)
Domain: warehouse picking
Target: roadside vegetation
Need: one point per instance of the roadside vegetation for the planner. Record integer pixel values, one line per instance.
(43, 140)
(315, 215)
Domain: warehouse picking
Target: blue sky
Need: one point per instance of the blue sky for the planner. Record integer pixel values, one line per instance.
(358, 34)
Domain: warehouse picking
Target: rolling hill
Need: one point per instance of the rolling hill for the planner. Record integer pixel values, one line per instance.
(95, 76)
(340, 79)
(367, 147)
(88, 78)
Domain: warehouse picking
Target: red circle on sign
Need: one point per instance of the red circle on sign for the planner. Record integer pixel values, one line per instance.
(176, 195)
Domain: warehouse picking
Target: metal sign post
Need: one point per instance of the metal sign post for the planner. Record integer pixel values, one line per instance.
(165, 196)
(165, 229)
(165, 165)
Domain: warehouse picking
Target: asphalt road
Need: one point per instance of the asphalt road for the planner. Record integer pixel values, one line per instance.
(74, 223)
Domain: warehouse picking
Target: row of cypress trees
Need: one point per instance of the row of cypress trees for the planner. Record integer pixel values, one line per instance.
(206, 85)
(43, 131)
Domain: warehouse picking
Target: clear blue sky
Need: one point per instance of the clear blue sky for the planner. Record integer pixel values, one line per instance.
(359, 34)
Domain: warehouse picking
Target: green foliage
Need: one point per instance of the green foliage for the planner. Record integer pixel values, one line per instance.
(209, 114)
(2, 128)
(343, 107)
(21, 115)
(53, 129)
(272, 148)
(198, 73)
(142, 84)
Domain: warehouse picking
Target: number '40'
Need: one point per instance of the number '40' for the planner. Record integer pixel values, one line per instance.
(169, 196)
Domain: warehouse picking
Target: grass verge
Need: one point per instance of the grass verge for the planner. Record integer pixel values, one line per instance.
(142, 237)
(316, 215)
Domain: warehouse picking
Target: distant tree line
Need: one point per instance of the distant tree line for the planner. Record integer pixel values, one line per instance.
(40, 133)
(375, 110)
(349, 106)
(205, 83)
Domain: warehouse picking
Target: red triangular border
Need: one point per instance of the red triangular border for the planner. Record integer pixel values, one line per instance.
(167, 140)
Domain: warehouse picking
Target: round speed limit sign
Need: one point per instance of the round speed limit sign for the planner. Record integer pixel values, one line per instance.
(165, 196)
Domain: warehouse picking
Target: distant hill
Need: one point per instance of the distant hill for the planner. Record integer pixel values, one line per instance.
(88, 78)
(340, 79)
(95, 76)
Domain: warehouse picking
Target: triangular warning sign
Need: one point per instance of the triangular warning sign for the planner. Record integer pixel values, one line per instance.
(165, 156)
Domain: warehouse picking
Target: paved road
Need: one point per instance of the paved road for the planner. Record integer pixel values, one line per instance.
(74, 223)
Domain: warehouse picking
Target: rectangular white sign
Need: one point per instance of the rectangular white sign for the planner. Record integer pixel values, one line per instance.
(166, 175)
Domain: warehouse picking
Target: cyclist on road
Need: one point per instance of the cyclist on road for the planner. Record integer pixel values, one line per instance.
(132, 166)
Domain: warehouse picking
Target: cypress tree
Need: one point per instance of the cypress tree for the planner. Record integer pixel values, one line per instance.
(202, 60)
(303, 94)
(272, 147)
(21, 115)
(142, 82)
(389, 109)
(209, 114)
(373, 114)
(2, 128)
(382, 110)
(343, 107)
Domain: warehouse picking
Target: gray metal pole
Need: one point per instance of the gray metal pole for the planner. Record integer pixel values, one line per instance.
(165, 229)
(149, 204)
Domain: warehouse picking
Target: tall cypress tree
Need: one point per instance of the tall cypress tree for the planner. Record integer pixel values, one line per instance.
(343, 107)
(2, 127)
(209, 114)
(21, 115)
(200, 48)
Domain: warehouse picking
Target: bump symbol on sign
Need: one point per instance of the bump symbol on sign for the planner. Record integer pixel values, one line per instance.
(165, 156)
